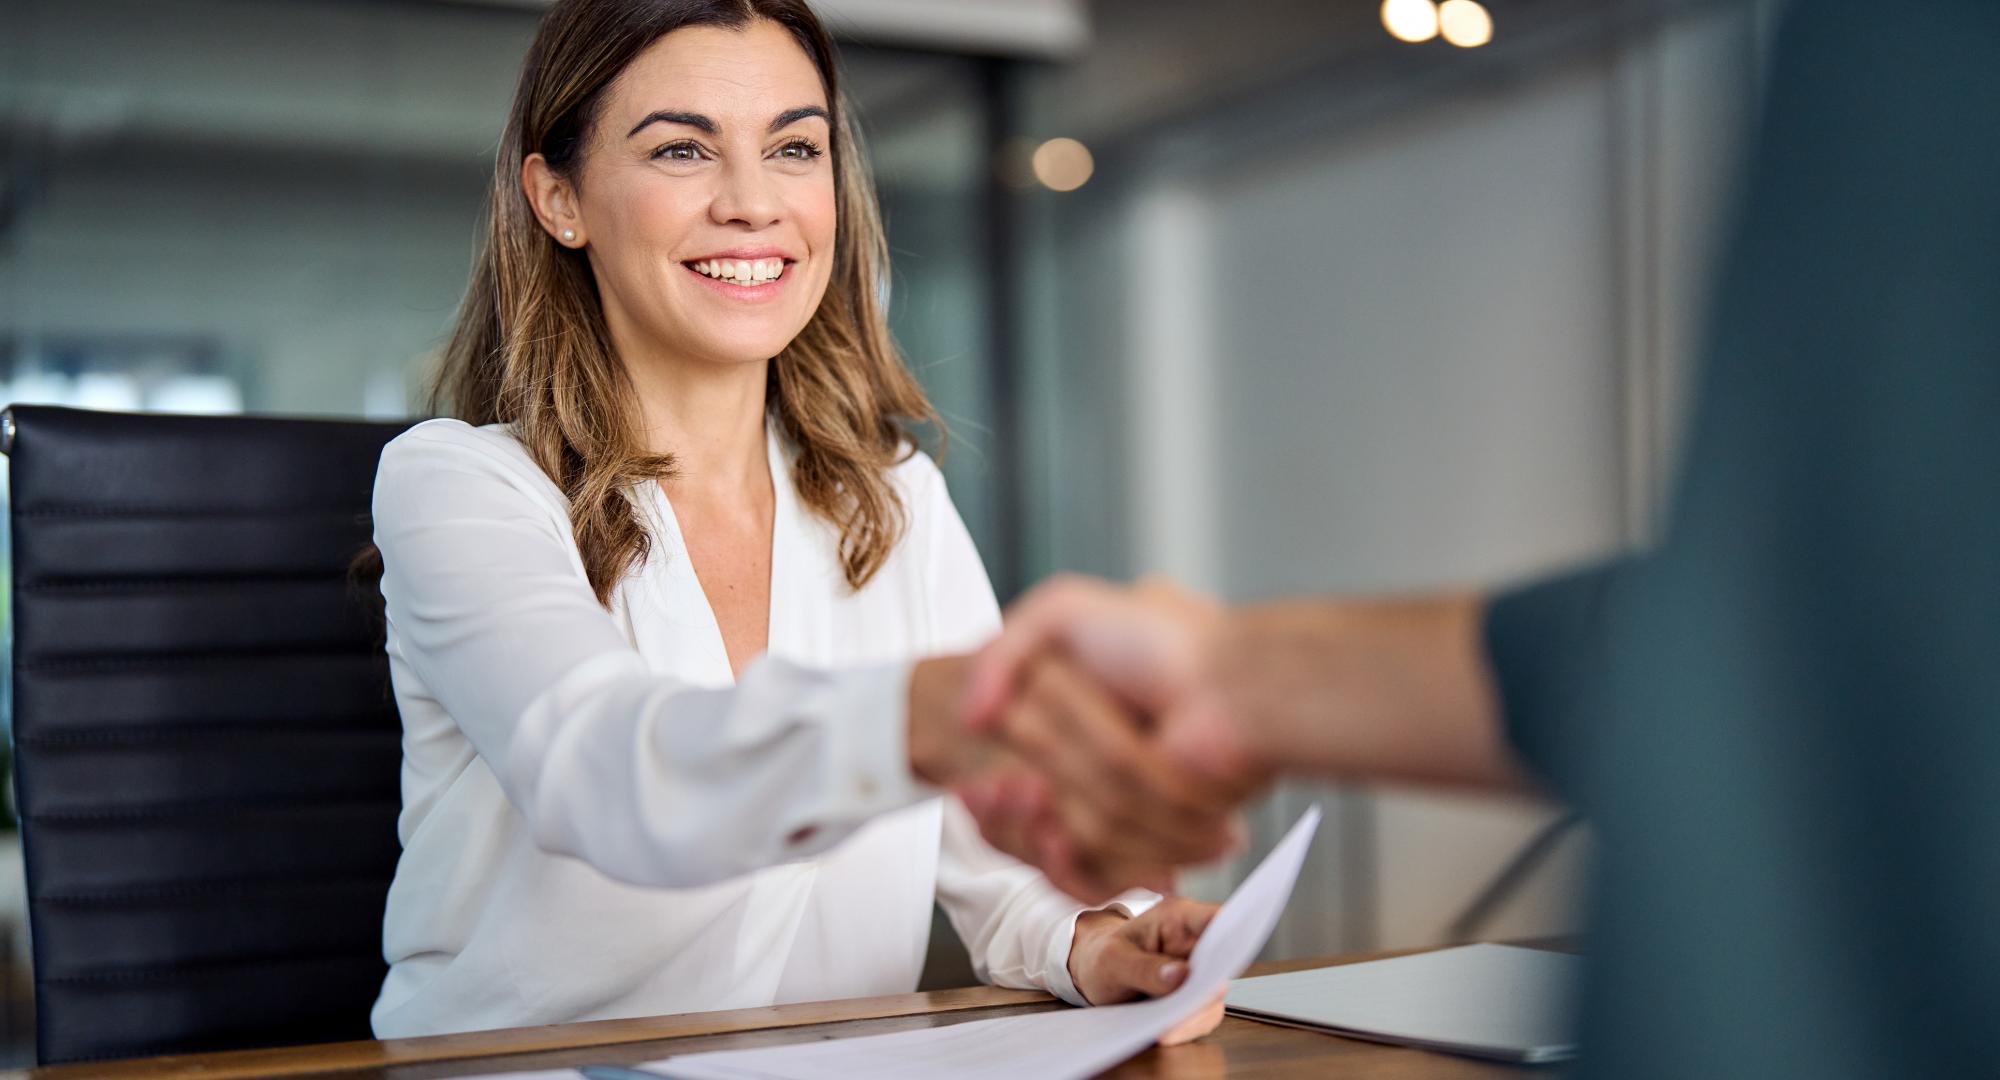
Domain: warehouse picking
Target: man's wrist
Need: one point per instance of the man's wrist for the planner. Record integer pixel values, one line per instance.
(1396, 688)
(1248, 740)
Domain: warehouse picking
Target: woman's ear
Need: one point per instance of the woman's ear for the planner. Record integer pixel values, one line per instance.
(554, 202)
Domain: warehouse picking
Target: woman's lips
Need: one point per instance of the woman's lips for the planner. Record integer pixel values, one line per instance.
(733, 285)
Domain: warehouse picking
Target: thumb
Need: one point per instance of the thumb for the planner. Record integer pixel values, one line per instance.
(990, 681)
(1036, 622)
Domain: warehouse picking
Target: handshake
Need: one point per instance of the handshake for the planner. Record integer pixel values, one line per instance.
(1110, 735)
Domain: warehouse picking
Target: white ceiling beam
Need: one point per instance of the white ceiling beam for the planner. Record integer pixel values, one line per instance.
(1041, 28)
(1035, 28)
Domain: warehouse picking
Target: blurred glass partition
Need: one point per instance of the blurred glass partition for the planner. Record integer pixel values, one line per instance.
(926, 121)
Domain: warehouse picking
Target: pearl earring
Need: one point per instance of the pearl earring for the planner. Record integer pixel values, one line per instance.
(569, 234)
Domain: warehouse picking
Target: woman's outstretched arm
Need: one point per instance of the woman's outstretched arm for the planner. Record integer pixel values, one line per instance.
(650, 780)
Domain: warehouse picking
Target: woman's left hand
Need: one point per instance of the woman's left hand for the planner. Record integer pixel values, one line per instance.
(1114, 959)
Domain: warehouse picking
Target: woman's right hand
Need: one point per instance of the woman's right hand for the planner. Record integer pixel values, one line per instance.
(940, 753)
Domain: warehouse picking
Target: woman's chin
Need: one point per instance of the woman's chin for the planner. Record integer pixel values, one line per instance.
(731, 338)
(739, 353)
(757, 355)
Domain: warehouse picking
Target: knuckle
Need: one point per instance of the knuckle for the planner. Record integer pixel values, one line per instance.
(1129, 765)
(1093, 831)
(1078, 822)
(1036, 743)
(1029, 713)
(1045, 679)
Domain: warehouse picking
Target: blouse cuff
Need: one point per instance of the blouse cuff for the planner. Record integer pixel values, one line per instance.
(869, 766)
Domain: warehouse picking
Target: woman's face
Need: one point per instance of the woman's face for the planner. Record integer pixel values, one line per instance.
(706, 196)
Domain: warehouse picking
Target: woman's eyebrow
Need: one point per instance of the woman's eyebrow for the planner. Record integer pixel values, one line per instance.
(710, 127)
(793, 116)
(668, 116)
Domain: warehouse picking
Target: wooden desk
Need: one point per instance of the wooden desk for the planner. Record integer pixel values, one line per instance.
(1239, 1048)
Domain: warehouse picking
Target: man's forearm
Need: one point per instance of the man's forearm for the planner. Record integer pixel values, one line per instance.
(1385, 689)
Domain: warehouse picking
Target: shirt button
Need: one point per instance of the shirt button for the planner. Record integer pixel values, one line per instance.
(866, 786)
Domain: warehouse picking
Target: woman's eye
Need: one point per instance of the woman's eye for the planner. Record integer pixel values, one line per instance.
(684, 151)
(799, 150)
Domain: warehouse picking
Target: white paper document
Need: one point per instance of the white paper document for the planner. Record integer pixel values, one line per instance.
(1069, 1043)
(1048, 1045)
(1491, 1001)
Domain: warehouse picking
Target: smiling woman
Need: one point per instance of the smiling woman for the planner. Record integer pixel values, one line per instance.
(686, 189)
(723, 142)
(657, 593)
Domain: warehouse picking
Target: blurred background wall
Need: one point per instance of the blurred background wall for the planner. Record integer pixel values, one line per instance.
(1323, 311)
(1336, 313)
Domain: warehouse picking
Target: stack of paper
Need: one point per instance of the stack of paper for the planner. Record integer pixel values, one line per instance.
(1049, 1045)
(1068, 1043)
(1490, 1001)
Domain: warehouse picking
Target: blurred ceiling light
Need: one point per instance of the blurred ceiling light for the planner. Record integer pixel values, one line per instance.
(1465, 23)
(1410, 20)
(1063, 164)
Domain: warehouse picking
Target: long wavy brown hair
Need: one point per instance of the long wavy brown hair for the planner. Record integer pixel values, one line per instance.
(531, 349)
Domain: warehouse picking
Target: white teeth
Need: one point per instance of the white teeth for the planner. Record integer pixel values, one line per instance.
(749, 272)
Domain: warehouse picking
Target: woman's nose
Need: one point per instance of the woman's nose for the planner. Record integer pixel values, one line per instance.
(746, 196)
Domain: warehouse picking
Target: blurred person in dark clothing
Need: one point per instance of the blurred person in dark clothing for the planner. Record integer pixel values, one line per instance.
(1785, 720)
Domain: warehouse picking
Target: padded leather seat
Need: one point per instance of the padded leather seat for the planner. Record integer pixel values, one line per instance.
(206, 749)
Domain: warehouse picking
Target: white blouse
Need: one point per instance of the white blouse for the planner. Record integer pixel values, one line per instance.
(599, 821)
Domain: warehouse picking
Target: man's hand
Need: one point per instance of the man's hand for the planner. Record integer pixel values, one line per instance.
(1069, 782)
(1395, 689)
(1133, 770)
(1092, 801)
(1149, 643)
(1387, 688)
(1155, 647)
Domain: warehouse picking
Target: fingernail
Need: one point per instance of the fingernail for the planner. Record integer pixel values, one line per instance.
(1171, 974)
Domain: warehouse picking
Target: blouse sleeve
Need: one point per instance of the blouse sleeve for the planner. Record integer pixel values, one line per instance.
(1017, 927)
(650, 780)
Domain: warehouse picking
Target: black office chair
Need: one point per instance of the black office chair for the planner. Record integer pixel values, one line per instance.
(206, 751)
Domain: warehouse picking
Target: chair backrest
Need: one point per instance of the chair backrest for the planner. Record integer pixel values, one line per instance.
(206, 749)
